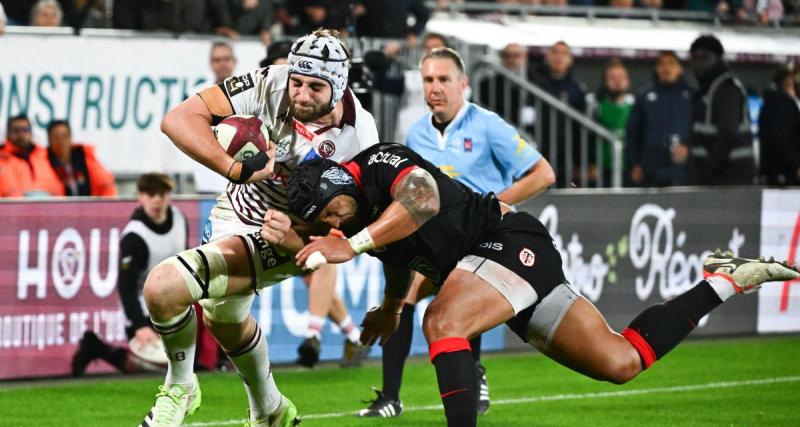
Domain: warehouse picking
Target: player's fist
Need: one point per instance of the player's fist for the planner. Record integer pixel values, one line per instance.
(255, 168)
(276, 225)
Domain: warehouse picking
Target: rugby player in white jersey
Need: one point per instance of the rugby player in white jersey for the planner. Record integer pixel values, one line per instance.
(310, 113)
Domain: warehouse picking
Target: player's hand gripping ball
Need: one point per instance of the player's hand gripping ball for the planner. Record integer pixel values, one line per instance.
(242, 136)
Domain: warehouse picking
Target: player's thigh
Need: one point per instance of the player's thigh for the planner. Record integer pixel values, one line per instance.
(465, 306)
(584, 342)
(421, 287)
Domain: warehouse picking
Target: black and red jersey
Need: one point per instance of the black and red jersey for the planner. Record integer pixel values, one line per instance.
(463, 221)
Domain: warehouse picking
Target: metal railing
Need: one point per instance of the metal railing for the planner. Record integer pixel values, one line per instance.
(558, 112)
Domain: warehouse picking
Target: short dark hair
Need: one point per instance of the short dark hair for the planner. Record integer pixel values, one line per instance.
(57, 122)
(707, 42)
(664, 53)
(221, 43)
(439, 36)
(275, 51)
(445, 53)
(613, 63)
(562, 43)
(13, 119)
(783, 72)
(155, 183)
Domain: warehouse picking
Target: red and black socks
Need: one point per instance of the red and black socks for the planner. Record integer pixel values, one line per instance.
(658, 329)
(457, 377)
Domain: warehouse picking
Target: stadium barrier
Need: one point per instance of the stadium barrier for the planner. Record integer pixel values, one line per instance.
(625, 250)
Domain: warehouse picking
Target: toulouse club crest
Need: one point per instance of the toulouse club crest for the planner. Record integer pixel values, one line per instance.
(527, 257)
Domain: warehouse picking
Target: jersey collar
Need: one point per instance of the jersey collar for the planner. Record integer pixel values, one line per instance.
(453, 124)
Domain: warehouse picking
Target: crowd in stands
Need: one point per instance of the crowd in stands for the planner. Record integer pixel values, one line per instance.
(372, 18)
(64, 168)
(674, 132)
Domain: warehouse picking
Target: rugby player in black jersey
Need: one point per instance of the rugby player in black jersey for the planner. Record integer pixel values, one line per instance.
(493, 266)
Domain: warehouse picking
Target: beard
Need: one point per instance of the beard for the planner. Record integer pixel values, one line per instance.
(309, 113)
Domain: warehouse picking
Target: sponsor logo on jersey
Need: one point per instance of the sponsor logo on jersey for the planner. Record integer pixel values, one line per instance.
(267, 255)
(388, 158)
(495, 246)
(527, 257)
(327, 148)
(468, 145)
(337, 176)
(238, 84)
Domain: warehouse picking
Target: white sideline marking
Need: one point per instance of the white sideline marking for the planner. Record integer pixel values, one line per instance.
(571, 396)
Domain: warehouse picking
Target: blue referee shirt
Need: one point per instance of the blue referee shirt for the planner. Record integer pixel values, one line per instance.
(478, 148)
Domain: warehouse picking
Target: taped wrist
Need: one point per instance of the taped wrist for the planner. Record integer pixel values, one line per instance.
(250, 166)
(361, 242)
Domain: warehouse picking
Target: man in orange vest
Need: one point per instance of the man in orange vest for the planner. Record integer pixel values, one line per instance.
(24, 168)
(76, 165)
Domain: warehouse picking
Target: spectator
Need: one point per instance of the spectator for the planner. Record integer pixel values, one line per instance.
(555, 76)
(21, 12)
(611, 107)
(277, 54)
(760, 11)
(156, 231)
(223, 62)
(389, 19)
(779, 130)
(721, 144)
(656, 147)
(76, 165)
(303, 16)
(24, 168)
(514, 58)
(46, 13)
(174, 15)
(408, 86)
(233, 18)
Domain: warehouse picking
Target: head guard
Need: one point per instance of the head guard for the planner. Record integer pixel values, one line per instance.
(313, 185)
(322, 56)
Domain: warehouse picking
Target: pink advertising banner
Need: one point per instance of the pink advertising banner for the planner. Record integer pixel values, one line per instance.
(58, 276)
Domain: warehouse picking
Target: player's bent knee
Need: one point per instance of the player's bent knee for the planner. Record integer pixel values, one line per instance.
(620, 369)
(161, 290)
(203, 271)
(438, 324)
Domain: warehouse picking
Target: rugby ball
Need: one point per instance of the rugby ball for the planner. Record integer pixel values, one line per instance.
(152, 353)
(242, 136)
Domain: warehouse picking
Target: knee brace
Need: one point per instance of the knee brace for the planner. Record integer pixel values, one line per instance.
(204, 271)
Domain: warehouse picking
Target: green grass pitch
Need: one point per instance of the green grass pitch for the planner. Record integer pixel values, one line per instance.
(730, 382)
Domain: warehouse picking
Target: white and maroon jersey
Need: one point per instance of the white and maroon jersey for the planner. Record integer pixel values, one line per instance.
(264, 93)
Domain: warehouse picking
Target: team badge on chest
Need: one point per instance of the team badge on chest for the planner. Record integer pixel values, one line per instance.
(467, 145)
(527, 257)
(326, 148)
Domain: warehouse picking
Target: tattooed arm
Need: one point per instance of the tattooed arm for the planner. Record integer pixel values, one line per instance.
(416, 200)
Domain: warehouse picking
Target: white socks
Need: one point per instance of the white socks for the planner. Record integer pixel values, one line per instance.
(350, 330)
(722, 286)
(315, 324)
(179, 335)
(252, 363)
